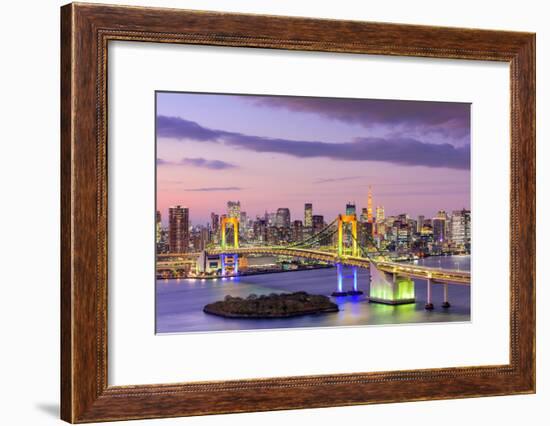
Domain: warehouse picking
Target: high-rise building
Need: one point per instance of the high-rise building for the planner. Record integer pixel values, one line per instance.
(234, 209)
(364, 215)
(308, 215)
(420, 224)
(260, 230)
(178, 230)
(215, 221)
(460, 228)
(243, 225)
(158, 234)
(439, 229)
(380, 214)
(369, 206)
(297, 231)
(318, 223)
(350, 208)
(282, 219)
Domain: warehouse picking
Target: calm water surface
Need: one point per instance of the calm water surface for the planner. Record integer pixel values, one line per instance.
(179, 303)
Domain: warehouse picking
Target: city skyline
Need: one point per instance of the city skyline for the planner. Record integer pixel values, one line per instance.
(301, 216)
(282, 152)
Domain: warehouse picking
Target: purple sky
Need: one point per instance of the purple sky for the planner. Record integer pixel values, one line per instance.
(273, 151)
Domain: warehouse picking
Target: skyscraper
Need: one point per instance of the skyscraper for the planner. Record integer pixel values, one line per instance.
(380, 214)
(350, 208)
(215, 220)
(439, 228)
(282, 219)
(308, 215)
(158, 234)
(420, 223)
(297, 231)
(460, 228)
(234, 209)
(369, 206)
(178, 230)
(318, 223)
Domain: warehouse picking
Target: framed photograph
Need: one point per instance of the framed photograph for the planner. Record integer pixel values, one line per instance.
(264, 213)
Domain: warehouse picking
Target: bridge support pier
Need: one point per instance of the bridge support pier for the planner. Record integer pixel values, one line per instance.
(429, 305)
(446, 303)
(340, 278)
(390, 288)
(229, 266)
(355, 291)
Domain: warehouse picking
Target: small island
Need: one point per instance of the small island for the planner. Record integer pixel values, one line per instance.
(281, 305)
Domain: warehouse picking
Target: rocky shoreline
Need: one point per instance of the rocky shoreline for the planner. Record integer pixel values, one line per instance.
(283, 305)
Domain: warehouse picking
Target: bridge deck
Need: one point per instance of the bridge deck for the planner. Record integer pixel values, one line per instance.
(402, 269)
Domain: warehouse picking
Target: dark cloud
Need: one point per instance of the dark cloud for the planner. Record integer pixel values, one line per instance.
(337, 179)
(397, 150)
(449, 119)
(198, 162)
(207, 164)
(212, 189)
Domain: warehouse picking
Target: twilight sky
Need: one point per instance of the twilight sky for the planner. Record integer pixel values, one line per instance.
(274, 151)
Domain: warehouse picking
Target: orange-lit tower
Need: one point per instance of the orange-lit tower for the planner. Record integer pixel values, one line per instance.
(369, 206)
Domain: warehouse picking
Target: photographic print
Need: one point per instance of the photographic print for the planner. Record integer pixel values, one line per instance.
(291, 212)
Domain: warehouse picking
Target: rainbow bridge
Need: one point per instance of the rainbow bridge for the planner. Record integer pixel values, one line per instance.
(390, 282)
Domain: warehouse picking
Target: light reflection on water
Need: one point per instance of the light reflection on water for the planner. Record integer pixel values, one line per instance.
(179, 302)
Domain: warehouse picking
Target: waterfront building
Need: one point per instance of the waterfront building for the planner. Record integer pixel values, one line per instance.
(178, 229)
(460, 229)
(439, 229)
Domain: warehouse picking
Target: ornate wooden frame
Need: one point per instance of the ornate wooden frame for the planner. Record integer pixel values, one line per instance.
(85, 33)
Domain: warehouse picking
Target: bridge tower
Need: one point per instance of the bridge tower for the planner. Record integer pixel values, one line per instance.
(231, 221)
(351, 219)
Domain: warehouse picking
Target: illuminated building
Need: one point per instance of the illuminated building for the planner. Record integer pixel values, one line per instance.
(243, 221)
(420, 224)
(234, 209)
(364, 215)
(460, 229)
(158, 235)
(439, 229)
(380, 214)
(282, 219)
(297, 231)
(215, 222)
(308, 215)
(369, 206)
(178, 229)
(260, 230)
(350, 208)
